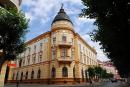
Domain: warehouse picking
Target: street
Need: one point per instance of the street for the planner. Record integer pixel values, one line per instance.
(103, 84)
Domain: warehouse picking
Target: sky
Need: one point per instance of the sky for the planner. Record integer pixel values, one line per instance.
(42, 12)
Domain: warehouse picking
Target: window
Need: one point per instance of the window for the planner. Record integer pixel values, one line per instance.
(17, 75)
(72, 53)
(64, 39)
(64, 72)
(34, 59)
(82, 75)
(34, 48)
(72, 40)
(64, 52)
(40, 46)
(29, 49)
(81, 57)
(53, 72)
(53, 53)
(21, 76)
(54, 40)
(28, 59)
(39, 74)
(13, 76)
(74, 73)
(20, 62)
(23, 62)
(26, 76)
(40, 57)
(84, 59)
(32, 74)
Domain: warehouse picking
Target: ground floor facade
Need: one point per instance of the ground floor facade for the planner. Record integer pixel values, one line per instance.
(50, 72)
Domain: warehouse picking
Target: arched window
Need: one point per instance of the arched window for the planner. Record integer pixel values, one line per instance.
(53, 72)
(32, 74)
(17, 75)
(82, 75)
(21, 76)
(26, 77)
(39, 73)
(74, 73)
(13, 76)
(64, 72)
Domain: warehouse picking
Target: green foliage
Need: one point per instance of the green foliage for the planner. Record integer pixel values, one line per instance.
(91, 72)
(98, 71)
(113, 21)
(13, 27)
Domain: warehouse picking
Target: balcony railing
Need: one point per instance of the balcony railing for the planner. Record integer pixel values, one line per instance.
(66, 59)
(64, 44)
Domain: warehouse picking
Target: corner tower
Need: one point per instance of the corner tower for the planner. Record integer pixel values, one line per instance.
(62, 46)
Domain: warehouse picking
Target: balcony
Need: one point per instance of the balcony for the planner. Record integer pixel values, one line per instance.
(64, 44)
(66, 60)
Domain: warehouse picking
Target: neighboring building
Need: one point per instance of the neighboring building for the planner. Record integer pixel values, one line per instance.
(10, 4)
(57, 56)
(110, 68)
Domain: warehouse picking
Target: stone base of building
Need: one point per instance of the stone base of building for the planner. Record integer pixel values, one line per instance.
(51, 81)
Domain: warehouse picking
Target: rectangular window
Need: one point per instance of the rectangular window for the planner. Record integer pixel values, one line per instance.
(54, 40)
(34, 59)
(64, 39)
(40, 46)
(29, 50)
(64, 52)
(34, 48)
(72, 53)
(23, 62)
(53, 54)
(80, 56)
(40, 58)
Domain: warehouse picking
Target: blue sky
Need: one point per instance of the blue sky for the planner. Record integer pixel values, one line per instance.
(42, 12)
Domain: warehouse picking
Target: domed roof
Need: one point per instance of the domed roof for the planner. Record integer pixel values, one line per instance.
(61, 16)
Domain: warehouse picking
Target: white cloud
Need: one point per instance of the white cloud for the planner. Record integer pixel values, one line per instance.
(82, 19)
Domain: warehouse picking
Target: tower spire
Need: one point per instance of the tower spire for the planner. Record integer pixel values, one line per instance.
(62, 9)
(62, 5)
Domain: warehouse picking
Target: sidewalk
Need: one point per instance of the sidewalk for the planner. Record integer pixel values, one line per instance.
(53, 85)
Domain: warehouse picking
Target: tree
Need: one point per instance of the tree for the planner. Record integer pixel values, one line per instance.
(91, 72)
(98, 71)
(113, 21)
(13, 27)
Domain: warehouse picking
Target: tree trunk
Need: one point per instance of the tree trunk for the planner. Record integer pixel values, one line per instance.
(2, 60)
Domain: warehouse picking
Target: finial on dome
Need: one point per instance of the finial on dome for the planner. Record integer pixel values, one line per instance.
(62, 9)
(62, 5)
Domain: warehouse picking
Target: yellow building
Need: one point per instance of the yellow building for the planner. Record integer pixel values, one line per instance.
(57, 56)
